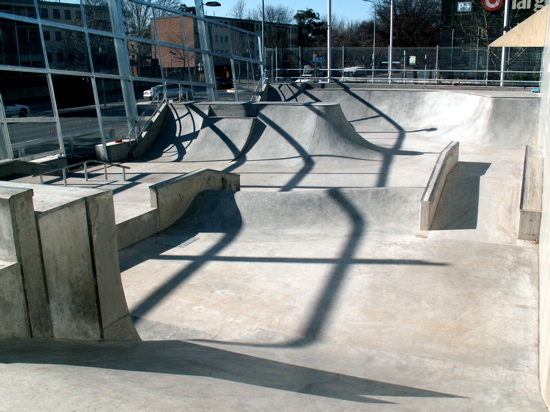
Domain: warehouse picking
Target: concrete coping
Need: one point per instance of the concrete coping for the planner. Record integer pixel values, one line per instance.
(446, 161)
(530, 209)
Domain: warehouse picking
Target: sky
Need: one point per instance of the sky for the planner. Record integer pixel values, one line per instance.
(351, 10)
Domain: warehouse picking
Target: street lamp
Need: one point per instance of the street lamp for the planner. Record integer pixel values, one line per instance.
(391, 42)
(204, 36)
(373, 37)
(329, 39)
(504, 30)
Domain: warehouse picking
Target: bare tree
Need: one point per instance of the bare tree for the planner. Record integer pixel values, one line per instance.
(239, 10)
(416, 23)
(273, 14)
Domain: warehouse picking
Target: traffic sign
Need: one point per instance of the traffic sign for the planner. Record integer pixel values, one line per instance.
(492, 5)
(464, 7)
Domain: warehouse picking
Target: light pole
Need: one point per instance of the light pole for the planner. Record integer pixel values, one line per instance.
(390, 64)
(329, 39)
(504, 30)
(373, 37)
(204, 36)
(263, 31)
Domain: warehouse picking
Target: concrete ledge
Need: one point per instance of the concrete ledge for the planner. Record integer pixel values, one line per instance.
(169, 201)
(446, 161)
(173, 197)
(22, 167)
(530, 209)
(135, 229)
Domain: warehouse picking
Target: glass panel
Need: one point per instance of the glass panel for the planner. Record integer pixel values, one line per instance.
(239, 43)
(67, 13)
(144, 59)
(20, 44)
(25, 94)
(177, 63)
(103, 54)
(3, 149)
(169, 27)
(23, 8)
(78, 116)
(67, 49)
(224, 78)
(97, 15)
(137, 19)
(112, 109)
(30, 139)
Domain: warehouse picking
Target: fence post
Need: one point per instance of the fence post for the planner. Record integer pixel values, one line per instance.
(436, 71)
(487, 68)
(276, 64)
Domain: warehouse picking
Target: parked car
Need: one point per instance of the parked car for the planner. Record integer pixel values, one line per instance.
(173, 91)
(224, 83)
(13, 109)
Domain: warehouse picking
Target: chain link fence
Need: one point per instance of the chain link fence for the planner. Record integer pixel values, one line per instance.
(430, 65)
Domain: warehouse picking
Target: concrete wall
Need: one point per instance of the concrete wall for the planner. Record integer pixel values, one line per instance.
(544, 244)
(170, 200)
(530, 208)
(447, 160)
(59, 257)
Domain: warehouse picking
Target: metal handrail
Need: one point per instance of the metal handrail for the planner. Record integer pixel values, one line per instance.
(65, 169)
(132, 136)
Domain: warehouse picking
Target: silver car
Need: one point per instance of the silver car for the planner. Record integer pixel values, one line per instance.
(13, 109)
(173, 91)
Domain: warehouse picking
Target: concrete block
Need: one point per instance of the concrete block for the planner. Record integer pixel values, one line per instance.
(102, 232)
(13, 309)
(69, 271)
(137, 228)
(530, 210)
(113, 151)
(19, 242)
(173, 197)
(447, 159)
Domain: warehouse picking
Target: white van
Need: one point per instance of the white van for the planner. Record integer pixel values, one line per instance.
(356, 74)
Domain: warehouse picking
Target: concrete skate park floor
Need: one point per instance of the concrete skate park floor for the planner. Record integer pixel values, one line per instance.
(314, 290)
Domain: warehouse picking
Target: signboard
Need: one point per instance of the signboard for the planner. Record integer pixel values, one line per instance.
(464, 7)
(319, 60)
(492, 5)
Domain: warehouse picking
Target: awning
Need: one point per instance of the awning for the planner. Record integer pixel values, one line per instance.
(529, 33)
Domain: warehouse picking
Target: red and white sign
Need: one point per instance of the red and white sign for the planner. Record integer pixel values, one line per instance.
(492, 5)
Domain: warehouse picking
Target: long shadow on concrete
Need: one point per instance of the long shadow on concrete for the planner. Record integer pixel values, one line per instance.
(180, 358)
(388, 154)
(229, 213)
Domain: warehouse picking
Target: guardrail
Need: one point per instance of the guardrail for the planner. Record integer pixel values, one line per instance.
(64, 170)
(416, 76)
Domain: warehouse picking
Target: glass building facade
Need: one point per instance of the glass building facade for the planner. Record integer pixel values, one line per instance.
(77, 74)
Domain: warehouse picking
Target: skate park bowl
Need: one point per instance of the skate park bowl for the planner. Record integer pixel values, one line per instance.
(272, 253)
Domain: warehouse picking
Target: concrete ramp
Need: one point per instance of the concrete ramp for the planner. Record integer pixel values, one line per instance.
(286, 132)
(297, 131)
(462, 115)
(190, 134)
(342, 211)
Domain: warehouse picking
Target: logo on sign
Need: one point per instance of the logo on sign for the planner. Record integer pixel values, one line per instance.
(492, 5)
(464, 6)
